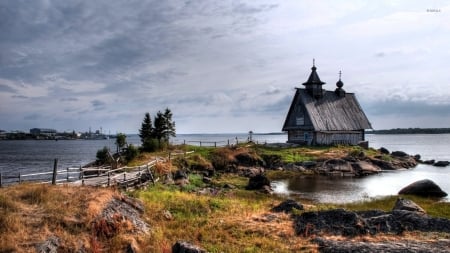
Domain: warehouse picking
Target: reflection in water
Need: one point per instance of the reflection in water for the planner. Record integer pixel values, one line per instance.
(344, 190)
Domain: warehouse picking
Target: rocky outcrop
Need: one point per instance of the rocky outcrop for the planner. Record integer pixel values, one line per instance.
(49, 246)
(287, 206)
(186, 247)
(424, 188)
(407, 205)
(441, 163)
(384, 151)
(116, 216)
(258, 182)
(398, 246)
(347, 223)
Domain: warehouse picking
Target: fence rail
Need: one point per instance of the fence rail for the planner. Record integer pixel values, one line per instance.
(94, 176)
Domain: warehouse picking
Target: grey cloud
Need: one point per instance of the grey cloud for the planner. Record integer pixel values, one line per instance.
(69, 99)
(6, 88)
(33, 116)
(97, 103)
(19, 96)
(407, 108)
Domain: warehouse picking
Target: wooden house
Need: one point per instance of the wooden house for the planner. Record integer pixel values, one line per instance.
(320, 117)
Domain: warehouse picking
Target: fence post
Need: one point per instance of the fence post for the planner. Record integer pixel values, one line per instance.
(1, 180)
(184, 142)
(109, 178)
(20, 179)
(55, 170)
(200, 144)
(228, 142)
(67, 174)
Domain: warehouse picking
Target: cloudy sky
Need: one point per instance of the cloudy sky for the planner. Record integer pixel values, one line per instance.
(219, 65)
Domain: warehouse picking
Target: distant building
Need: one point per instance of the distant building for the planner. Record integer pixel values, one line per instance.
(43, 131)
(320, 117)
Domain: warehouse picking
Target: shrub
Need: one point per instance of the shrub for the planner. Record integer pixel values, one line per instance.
(131, 152)
(150, 145)
(102, 155)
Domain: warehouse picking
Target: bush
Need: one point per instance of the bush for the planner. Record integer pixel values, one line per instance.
(131, 152)
(102, 155)
(150, 145)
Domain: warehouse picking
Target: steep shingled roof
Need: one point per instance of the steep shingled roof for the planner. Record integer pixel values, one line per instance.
(331, 112)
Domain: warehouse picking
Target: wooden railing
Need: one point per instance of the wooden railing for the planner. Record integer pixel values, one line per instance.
(94, 176)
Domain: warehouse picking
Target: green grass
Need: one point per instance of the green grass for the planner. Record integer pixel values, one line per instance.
(433, 207)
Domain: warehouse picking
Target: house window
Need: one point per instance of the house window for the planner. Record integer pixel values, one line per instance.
(300, 121)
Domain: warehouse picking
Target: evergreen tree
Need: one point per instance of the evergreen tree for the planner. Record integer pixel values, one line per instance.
(160, 127)
(146, 131)
(169, 125)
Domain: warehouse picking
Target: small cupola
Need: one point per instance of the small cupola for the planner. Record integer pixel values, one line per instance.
(339, 91)
(314, 85)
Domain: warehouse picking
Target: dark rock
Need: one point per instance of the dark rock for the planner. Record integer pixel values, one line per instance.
(384, 165)
(397, 246)
(309, 164)
(49, 246)
(407, 205)
(179, 174)
(186, 247)
(364, 144)
(336, 222)
(250, 171)
(430, 162)
(257, 182)
(417, 157)
(337, 165)
(424, 188)
(287, 206)
(346, 223)
(399, 154)
(384, 151)
(364, 168)
(207, 180)
(442, 164)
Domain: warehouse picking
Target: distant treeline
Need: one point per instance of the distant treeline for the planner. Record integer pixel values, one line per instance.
(411, 131)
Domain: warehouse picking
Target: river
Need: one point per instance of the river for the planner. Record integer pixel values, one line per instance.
(29, 156)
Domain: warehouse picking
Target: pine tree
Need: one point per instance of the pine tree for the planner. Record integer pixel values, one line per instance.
(169, 125)
(160, 127)
(146, 131)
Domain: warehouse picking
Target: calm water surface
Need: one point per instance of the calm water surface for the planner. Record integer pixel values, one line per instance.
(342, 190)
(34, 156)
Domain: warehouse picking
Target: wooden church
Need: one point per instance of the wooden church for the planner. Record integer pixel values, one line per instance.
(320, 117)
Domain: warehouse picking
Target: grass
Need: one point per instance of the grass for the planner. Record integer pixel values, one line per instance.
(432, 206)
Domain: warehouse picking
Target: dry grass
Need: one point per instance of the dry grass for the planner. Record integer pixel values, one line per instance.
(31, 213)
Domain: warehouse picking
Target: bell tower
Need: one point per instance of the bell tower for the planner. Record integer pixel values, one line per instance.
(314, 85)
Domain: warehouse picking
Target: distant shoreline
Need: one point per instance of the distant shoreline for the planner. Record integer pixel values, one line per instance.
(411, 131)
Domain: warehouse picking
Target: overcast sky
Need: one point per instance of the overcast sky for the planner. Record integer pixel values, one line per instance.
(219, 65)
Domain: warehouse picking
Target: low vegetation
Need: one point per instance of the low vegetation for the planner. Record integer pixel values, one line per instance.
(220, 216)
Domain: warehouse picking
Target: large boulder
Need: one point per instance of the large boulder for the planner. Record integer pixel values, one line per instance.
(258, 182)
(365, 168)
(399, 154)
(287, 206)
(186, 247)
(425, 188)
(407, 205)
(384, 150)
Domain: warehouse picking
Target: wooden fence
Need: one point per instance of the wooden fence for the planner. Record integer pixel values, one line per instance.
(123, 177)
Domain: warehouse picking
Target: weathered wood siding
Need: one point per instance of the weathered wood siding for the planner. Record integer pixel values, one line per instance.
(335, 138)
(300, 137)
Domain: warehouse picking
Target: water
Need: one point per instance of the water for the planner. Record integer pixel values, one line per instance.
(32, 156)
(344, 190)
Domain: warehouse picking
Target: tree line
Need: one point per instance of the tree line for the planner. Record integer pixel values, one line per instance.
(155, 135)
